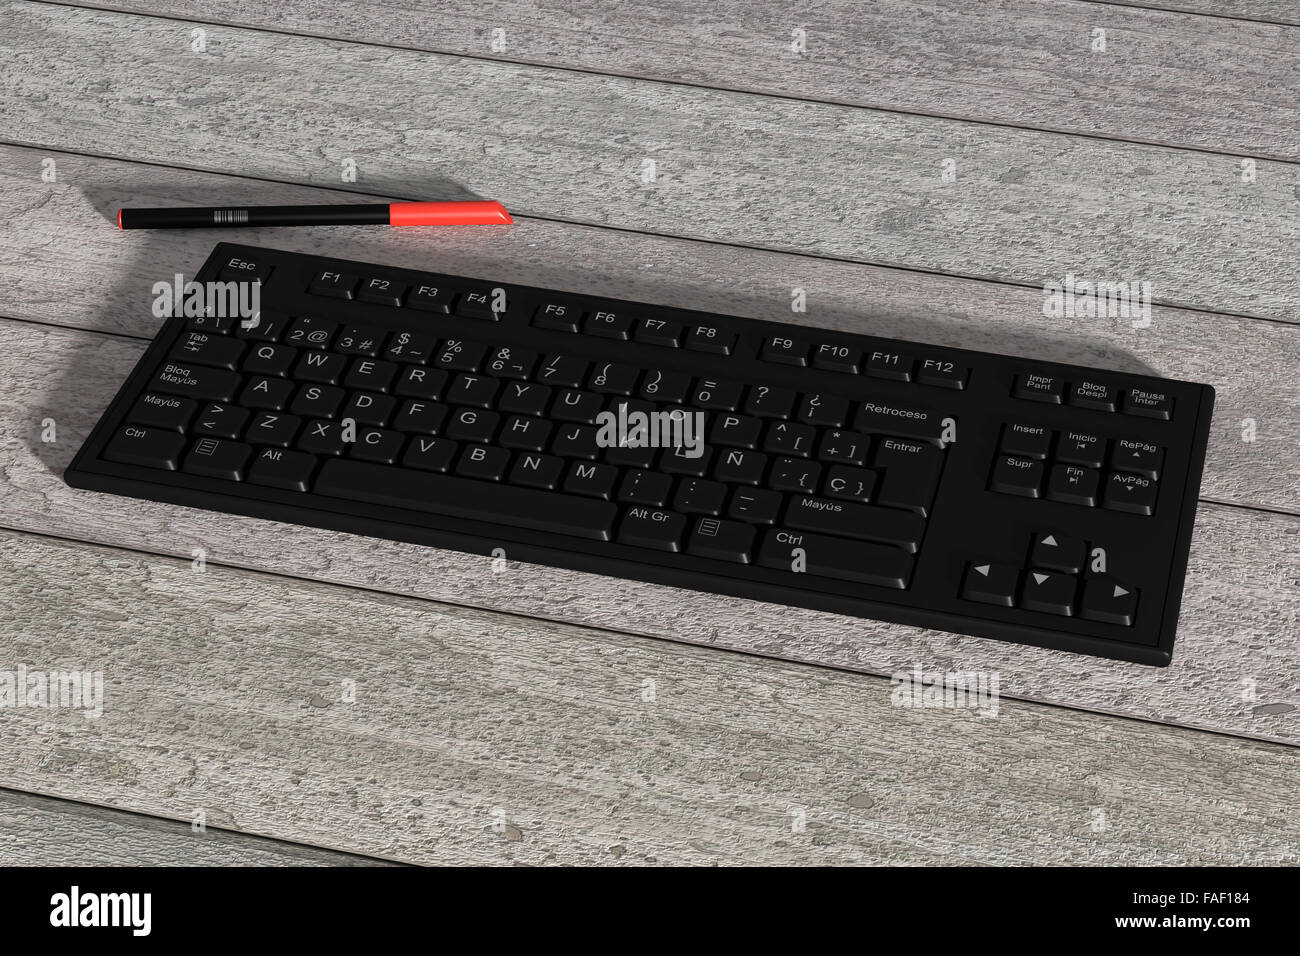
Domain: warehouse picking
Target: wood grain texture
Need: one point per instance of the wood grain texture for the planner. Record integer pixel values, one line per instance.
(68, 266)
(1026, 207)
(479, 738)
(1199, 82)
(1237, 634)
(39, 831)
(1265, 11)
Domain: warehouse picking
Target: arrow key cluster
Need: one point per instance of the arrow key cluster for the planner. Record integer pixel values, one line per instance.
(1051, 584)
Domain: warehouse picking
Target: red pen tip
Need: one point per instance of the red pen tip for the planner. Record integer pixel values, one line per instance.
(474, 213)
(119, 219)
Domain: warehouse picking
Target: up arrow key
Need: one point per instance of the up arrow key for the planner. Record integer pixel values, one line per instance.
(1050, 541)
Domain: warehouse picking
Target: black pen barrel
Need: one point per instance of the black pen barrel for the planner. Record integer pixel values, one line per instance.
(365, 214)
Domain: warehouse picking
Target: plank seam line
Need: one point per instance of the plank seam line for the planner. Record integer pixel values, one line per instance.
(628, 230)
(659, 640)
(245, 834)
(1183, 13)
(788, 97)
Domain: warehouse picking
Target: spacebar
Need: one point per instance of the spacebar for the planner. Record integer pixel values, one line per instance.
(462, 498)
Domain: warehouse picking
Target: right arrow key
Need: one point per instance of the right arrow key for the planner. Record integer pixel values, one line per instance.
(1109, 601)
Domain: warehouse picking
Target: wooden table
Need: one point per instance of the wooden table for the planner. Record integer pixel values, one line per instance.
(918, 169)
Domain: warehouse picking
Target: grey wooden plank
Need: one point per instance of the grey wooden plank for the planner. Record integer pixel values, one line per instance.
(40, 831)
(476, 737)
(1238, 626)
(1026, 207)
(67, 266)
(1184, 81)
(1265, 11)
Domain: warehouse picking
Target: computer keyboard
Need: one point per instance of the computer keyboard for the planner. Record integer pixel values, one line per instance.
(991, 495)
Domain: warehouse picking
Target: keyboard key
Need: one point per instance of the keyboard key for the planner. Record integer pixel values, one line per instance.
(789, 474)
(770, 401)
(863, 522)
(219, 351)
(215, 324)
(1040, 388)
(221, 421)
(464, 498)
(828, 557)
(896, 366)
(273, 428)
(483, 462)
(715, 394)
(721, 540)
(696, 496)
(837, 358)
(830, 411)
(273, 360)
(526, 432)
(1081, 448)
(943, 373)
(320, 437)
(991, 583)
(563, 371)
(427, 383)
(736, 466)
(411, 347)
(902, 421)
(525, 398)
(323, 368)
(1139, 457)
(1135, 494)
(368, 408)
(215, 458)
(736, 431)
(378, 445)
(1013, 475)
(360, 340)
(1049, 593)
(1095, 395)
(609, 324)
(486, 304)
(850, 484)
(755, 505)
(591, 479)
(710, 338)
(646, 527)
(846, 448)
(317, 401)
(336, 285)
(1058, 552)
(458, 355)
(790, 439)
(911, 474)
(1026, 441)
(150, 447)
(477, 391)
(576, 441)
(163, 411)
(194, 381)
(239, 267)
(430, 454)
(1074, 485)
(1148, 403)
(472, 424)
(663, 332)
(425, 418)
(785, 350)
(537, 471)
(1109, 601)
(382, 291)
(509, 362)
(669, 387)
(559, 316)
(430, 298)
(611, 378)
(645, 488)
(278, 468)
(264, 392)
(311, 333)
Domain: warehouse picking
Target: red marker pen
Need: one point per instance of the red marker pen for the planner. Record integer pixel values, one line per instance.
(476, 213)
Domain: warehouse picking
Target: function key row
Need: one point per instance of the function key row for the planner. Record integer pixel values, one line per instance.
(626, 326)
(483, 302)
(838, 357)
(1099, 396)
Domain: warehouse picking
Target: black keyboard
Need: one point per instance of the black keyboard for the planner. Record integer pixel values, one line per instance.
(982, 494)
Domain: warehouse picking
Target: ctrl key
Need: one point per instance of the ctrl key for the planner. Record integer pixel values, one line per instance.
(991, 583)
(151, 447)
